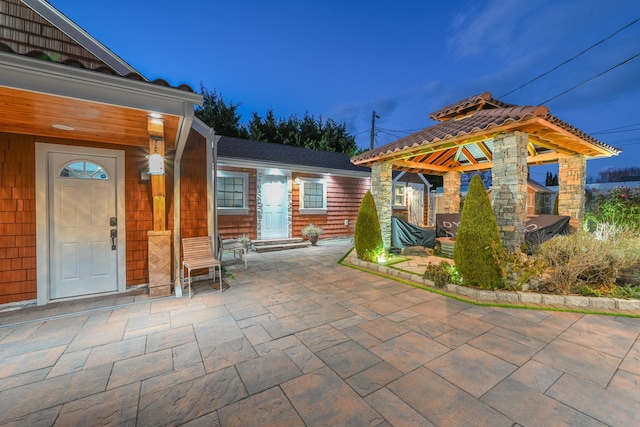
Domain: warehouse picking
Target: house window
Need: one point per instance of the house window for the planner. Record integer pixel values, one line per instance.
(313, 197)
(233, 193)
(399, 193)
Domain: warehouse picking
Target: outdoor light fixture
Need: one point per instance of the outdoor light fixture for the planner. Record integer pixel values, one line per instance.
(156, 161)
(297, 181)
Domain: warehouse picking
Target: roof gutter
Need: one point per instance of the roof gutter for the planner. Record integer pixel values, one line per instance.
(258, 164)
(51, 78)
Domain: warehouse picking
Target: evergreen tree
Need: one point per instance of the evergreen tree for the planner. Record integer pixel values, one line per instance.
(477, 240)
(368, 236)
(219, 115)
(308, 132)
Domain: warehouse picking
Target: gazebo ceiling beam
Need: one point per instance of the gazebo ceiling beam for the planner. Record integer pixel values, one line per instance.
(407, 164)
(469, 156)
(485, 150)
(545, 158)
(536, 140)
(577, 141)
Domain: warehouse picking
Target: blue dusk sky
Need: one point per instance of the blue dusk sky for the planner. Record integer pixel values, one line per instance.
(343, 59)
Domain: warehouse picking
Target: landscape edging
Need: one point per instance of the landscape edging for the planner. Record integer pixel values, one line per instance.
(573, 301)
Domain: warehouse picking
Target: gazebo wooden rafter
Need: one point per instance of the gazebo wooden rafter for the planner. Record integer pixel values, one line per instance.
(481, 133)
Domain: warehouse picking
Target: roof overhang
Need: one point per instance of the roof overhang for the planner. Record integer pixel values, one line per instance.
(466, 144)
(99, 107)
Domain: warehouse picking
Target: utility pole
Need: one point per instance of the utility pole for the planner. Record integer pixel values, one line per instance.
(373, 126)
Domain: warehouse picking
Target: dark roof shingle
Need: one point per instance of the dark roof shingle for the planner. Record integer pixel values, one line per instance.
(279, 154)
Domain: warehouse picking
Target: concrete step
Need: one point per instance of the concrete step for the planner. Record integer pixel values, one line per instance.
(266, 245)
(266, 242)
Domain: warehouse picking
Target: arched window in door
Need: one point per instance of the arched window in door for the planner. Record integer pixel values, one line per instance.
(82, 169)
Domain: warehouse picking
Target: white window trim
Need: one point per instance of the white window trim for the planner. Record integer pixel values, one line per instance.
(244, 210)
(404, 195)
(313, 211)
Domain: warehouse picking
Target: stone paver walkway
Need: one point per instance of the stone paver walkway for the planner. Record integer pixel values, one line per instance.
(301, 340)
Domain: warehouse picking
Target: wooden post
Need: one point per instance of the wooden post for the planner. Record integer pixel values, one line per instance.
(158, 182)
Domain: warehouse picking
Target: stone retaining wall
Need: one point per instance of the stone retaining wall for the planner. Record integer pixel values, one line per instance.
(509, 297)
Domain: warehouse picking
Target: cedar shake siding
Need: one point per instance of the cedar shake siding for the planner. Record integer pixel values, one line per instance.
(193, 191)
(344, 195)
(17, 218)
(18, 214)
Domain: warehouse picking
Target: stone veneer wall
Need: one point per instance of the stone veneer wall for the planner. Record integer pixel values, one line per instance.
(572, 174)
(509, 183)
(381, 189)
(451, 192)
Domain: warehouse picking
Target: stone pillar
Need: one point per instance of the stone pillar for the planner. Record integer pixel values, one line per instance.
(381, 189)
(451, 192)
(159, 263)
(509, 187)
(572, 175)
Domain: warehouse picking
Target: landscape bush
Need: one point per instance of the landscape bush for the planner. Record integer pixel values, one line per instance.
(477, 239)
(368, 237)
(578, 261)
(618, 210)
(443, 273)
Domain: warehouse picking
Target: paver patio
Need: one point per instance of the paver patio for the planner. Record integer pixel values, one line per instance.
(299, 340)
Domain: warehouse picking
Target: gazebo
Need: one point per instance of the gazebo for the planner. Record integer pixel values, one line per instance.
(481, 133)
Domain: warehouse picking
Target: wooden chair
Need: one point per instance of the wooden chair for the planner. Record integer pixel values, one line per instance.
(233, 246)
(197, 252)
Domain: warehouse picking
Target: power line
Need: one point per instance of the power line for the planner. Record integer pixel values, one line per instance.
(615, 129)
(592, 78)
(570, 59)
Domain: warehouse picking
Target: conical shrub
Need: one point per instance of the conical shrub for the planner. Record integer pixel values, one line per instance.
(368, 237)
(477, 240)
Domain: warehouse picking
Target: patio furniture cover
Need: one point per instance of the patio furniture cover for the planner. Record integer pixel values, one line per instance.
(538, 229)
(404, 234)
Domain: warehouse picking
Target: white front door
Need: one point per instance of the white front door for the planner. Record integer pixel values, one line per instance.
(82, 218)
(416, 204)
(274, 207)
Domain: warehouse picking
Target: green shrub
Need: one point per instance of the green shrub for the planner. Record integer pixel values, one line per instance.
(478, 236)
(517, 268)
(368, 237)
(442, 273)
(619, 209)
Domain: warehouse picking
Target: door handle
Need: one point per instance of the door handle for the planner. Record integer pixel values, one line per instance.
(114, 239)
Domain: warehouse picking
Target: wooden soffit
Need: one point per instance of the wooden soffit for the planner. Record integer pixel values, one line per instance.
(55, 100)
(43, 115)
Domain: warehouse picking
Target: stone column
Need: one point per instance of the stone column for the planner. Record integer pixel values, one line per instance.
(159, 263)
(381, 189)
(451, 192)
(572, 174)
(509, 187)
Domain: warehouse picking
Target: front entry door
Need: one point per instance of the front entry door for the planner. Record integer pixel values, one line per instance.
(274, 207)
(416, 204)
(82, 215)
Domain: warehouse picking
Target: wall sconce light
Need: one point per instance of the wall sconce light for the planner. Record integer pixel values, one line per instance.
(297, 181)
(156, 161)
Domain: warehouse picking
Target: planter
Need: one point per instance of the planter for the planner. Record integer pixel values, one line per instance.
(313, 240)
